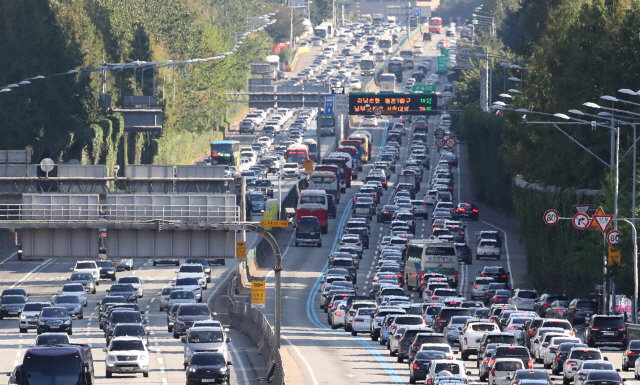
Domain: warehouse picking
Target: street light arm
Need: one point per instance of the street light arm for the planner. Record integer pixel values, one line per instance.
(583, 147)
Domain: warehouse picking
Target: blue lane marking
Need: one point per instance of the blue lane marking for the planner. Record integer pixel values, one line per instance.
(313, 317)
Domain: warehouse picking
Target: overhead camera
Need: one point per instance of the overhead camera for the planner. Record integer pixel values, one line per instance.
(524, 118)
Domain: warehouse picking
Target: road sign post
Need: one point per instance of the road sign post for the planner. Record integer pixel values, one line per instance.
(258, 295)
(241, 249)
(550, 217)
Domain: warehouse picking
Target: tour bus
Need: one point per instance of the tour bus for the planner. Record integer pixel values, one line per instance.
(314, 203)
(312, 145)
(328, 125)
(346, 159)
(225, 152)
(396, 66)
(345, 172)
(427, 256)
(391, 20)
(388, 83)
(355, 153)
(327, 181)
(385, 44)
(369, 141)
(335, 170)
(297, 153)
(367, 67)
(324, 31)
(359, 144)
(435, 25)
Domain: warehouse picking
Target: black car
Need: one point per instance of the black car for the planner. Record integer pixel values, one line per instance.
(581, 309)
(12, 306)
(54, 319)
(363, 232)
(385, 213)
(15, 291)
(187, 314)
(208, 368)
(544, 302)
(420, 365)
(630, 355)
(498, 273)
(121, 316)
(464, 253)
(107, 270)
(518, 352)
(561, 356)
(125, 290)
(606, 330)
(467, 211)
(426, 36)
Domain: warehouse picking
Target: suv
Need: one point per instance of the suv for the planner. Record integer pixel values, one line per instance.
(29, 315)
(581, 310)
(496, 338)
(187, 314)
(193, 270)
(544, 302)
(205, 338)
(88, 267)
(308, 231)
(498, 273)
(126, 355)
(472, 333)
(523, 299)
(444, 316)
(519, 352)
(606, 330)
(575, 358)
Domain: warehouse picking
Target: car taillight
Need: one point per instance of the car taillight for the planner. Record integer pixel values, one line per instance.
(503, 276)
(338, 314)
(474, 210)
(530, 364)
(512, 328)
(359, 320)
(559, 310)
(442, 320)
(622, 329)
(435, 297)
(475, 287)
(415, 366)
(594, 328)
(352, 313)
(630, 353)
(398, 275)
(571, 363)
(429, 381)
(424, 207)
(559, 358)
(547, 304)
(486, 361)
(492, 361)
(462, 209)
(331, 304)
(485, 275)
(456, 274)
(532, 332)
(493, 372)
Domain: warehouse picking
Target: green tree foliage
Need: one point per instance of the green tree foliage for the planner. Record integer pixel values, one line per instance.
(321, 11)
(281, 29)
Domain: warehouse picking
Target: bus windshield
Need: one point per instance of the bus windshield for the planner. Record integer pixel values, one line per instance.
(297, 156)
(367, 64)
(225, 153)
(327, 121)
(320, 32)
(384, 43)
(314, 199)
(53, 370)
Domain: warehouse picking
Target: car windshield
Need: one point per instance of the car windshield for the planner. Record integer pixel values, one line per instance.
(182, 294)
(126, 345)
(168, 290)
(12, 299)
(191, 269)
(129, 330)
(609, 322)
(104, 263)
(429, 355)
(67, 299)
(531, 375)
(187, 282)
(14, 292)
(204, 359)
(586, 355)
(603, 375)
(193, 310)
(450, 367)
(129, 280)
(35, 306)
(107, 300)
(73, 288)
(206, 336)
(508, 366)
(85, 265)
(483, 327)
(51, 339)
(54, 312)
(597, 365)
(121, 289)
(126, 317)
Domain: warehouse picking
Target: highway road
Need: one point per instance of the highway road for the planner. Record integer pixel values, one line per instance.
(326, 356)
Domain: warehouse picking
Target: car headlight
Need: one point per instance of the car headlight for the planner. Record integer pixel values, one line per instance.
(110, 357)
(192, 370)
(67, 322)
(223, 370)
(43, 322)
(143, 357)
(23, 317)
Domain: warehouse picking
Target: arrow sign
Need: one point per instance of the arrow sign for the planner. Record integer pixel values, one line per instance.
(600, 211)
(582, 208)
(580, 221)
(550, 217)
(440, 142)
(603, 221)
(439, 133)
(614, 237)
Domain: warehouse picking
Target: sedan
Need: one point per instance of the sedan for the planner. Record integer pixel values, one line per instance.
(467, 211)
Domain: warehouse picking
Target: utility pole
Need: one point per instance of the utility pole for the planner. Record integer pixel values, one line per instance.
(292, 44)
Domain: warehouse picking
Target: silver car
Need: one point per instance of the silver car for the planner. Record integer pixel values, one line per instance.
(71, 303)
(205, 338)
(164, 296)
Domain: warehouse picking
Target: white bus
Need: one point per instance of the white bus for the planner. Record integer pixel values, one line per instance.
(428, 256)
(385, 43)
(391, 20)
(388, 83)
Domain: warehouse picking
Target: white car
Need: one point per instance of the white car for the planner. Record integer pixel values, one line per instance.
(291, 170)
(189, 284)
(550, 352)
(127, 355)
(516, 324)
(439, 295)
(523, 299)
(29, 315)
(203, 339)
(135, 281)
(417, 49)
(488, 248)
(362, 320)
(587, 366)
(543, 346)
(455, 367)
(575, 358)
(536, 340)
(503, 368)
(88, 267)
(76, 289)
(350, 314)
(336, 315)
(480, 285)
(471, 335)
(193, 270)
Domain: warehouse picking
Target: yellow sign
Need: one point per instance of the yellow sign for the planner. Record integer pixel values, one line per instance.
(267, 223)
(241, 249)
(308, 165)
(258, 289)
(614, 256)
(599, 212)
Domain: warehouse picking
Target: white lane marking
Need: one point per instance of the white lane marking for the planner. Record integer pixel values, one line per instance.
(162, 369)
(16, 363)
(306, 363)
(164, 381)
(160, 360)
(40, 266)
(506, 248)
(239, 359)
(6, 259)
(18, 353)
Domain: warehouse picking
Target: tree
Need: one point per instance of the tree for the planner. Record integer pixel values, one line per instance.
(281, 29)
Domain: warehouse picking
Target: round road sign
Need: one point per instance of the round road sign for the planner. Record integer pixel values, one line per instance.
(614, 237)
(550, 217)
(451, 142)
(439, 133)
(377, 111)
(440, 142)
(580, 221)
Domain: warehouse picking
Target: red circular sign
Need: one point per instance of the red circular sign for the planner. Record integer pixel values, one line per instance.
(377, 111)
(551, 217)
(440, 142)
(451, 142)
(439, 133)
(580, 221)
(614, 237)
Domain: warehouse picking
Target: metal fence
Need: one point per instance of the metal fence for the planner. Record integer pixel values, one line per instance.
(255, 325)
